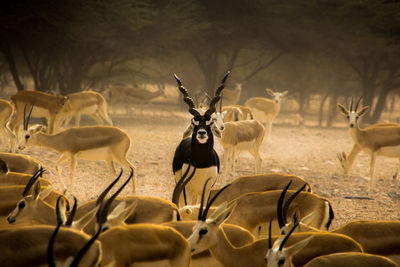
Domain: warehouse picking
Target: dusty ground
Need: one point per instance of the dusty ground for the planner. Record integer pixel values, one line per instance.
(306, 151)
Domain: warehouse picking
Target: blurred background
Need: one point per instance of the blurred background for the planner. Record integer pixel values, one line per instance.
(322, 51)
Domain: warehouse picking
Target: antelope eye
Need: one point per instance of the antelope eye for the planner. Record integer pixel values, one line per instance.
(21, 205)
(203, 232)
(348, 116)
(281, 262)
(27, 136)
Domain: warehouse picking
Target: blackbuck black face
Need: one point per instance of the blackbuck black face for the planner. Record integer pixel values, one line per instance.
(353, 115)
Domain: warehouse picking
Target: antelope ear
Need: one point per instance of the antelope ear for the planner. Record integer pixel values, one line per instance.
(45, 193)
(342, 109)
(363, 111)
(284, 93)
(224, 113)
(36, 190)
(216, 131)
(221, 216)
(294, 249)
(269, 91)
(188, 132)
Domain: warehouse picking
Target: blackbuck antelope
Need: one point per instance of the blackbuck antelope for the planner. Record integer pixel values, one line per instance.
(20, 163)
(265, 109)
(107, 143)
(198, 149)
(88, 103)
(46, 105)
(374, 140)
(208, 234)
(6, 111)
(249, 184)
(353, 259)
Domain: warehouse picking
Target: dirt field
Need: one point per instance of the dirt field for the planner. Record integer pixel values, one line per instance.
(306, 151)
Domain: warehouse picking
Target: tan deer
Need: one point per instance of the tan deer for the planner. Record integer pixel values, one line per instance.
(85, 103)
(46, 105)
(265, 109)
(106, 143)
(374, 140)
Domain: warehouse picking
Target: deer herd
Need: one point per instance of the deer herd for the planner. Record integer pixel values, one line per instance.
(265, 219)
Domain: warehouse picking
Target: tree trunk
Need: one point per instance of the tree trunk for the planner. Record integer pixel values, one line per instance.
(8, 55)
(321, 109)
(332, 109)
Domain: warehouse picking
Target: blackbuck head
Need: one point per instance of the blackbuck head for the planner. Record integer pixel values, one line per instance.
(204, 231)
(279, 256)
(277, 96)
(353, 115)
(200, 127)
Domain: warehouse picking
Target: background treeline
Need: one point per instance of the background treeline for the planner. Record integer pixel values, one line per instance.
(333, 48)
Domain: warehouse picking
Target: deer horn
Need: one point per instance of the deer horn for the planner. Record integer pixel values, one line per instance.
(27, 119)
(280, 214)
(32, 181)
(358, 102)
(209, 203)
(187, 98)
(287, 237)
(351, 104)
(289, 200)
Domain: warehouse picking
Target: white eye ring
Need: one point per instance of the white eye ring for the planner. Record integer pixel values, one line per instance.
(195, 122)
(209, 122)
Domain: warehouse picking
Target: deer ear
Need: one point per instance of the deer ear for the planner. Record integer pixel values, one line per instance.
(342, 109)
(363, 111)
(270, 92)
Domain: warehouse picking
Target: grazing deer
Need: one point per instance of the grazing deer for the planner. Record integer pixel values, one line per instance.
(106, 143)
(46, 105)
(88, 103)
(265, 109)
(374, 140)
(198, 150)
(6, 112)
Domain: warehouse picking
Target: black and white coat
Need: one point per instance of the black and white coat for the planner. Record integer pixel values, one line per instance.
(197, 151)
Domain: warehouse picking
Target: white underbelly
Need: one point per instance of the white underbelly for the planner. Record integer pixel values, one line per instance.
(94, 154)
(200, 176)
(389, 151)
